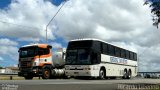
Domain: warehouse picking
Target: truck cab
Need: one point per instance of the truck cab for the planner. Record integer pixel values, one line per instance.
(33, 58)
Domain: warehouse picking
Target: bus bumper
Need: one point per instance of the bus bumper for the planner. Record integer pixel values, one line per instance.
(81, 73)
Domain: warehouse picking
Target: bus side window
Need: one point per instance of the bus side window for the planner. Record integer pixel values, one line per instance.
(131, 56)
(117, 52)
(105, 48)
(111, 50)
(93, 57)
(127, 54)
(97, 46)
(123, 53)
(135, 56)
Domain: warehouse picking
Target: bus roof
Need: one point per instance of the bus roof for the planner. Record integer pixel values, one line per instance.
(38, 45)
(88, 39)
(83, 39)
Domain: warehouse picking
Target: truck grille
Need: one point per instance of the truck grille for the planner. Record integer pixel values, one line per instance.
(26, 64)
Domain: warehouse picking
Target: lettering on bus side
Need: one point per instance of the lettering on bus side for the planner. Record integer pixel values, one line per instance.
(118, 60)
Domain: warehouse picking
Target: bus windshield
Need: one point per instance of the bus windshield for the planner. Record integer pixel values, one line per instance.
(27, 52)
(78, 56)
(79, 44)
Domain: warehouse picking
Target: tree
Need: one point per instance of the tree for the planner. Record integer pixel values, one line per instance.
(155, 10)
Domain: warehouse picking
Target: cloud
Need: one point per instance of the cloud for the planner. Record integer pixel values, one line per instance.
(27, 19)
(86, 19)
(56, 45)
(8, 51)
(7, 42)
(125, 23)
(1, 59)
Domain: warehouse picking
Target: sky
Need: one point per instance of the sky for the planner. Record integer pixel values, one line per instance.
(126, 23)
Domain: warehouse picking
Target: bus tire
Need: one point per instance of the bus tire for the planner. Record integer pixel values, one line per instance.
(102, 74)
(125, 74)
(129, 74)
(46, 74)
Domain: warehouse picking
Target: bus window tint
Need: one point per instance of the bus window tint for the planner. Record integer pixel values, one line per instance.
(83, 56)
(105, 48)
(71, 57)
(79, 44)
(123, 53)
(96, 46)
(127, 54)
(131, 56)
(117, 52)
(135, 56)
(111, 50)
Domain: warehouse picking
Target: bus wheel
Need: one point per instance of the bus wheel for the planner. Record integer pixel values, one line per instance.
(125, 74)
(102, 74)
(129, 74)
(46, 73)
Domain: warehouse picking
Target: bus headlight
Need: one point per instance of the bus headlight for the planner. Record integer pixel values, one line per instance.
(95, 68)
(87, 68)
(66, 67)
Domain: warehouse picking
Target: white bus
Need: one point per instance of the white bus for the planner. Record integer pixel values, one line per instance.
(97, 58)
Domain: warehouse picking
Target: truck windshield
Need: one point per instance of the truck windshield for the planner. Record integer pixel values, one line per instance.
(27, 52)
(78, 56)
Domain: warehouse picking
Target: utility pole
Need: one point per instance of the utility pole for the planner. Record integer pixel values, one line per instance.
(52, 19)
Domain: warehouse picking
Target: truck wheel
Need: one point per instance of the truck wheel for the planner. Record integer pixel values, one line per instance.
(28, 77)
(102, 74)
(46, 73)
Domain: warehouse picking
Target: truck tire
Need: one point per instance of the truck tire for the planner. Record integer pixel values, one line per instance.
(46, 73)
(102, 74)
(28, 77)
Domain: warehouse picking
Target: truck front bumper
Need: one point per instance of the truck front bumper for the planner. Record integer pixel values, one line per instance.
(35, 72)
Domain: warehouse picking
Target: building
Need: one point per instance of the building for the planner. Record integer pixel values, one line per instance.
(9, 70)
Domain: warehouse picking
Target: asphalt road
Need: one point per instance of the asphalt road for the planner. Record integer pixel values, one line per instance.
(70, 84)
